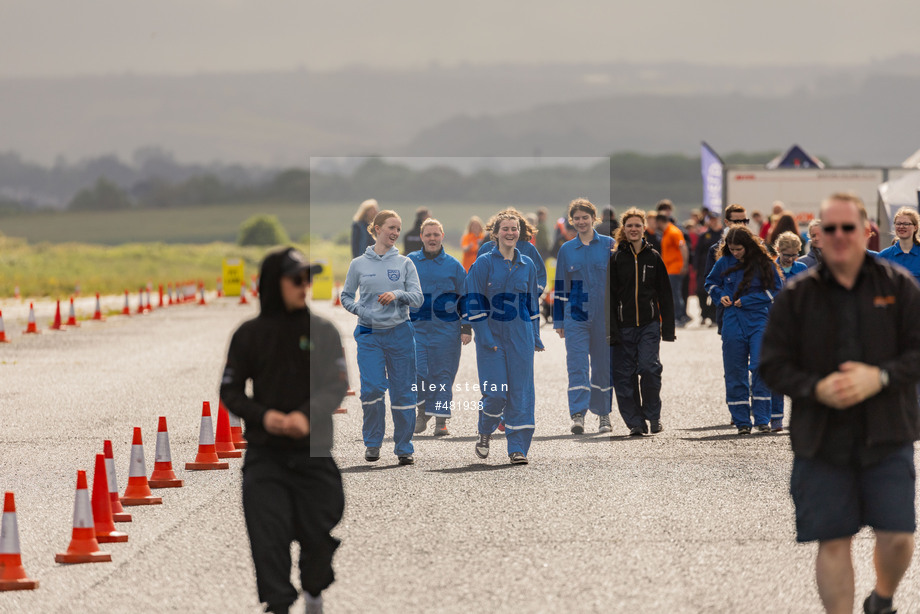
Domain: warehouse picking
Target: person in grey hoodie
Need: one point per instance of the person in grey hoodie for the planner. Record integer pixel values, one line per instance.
(387, 285)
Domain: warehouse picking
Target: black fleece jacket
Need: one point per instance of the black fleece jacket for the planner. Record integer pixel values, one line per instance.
(638, 292)
(295, 362)
(799, 349)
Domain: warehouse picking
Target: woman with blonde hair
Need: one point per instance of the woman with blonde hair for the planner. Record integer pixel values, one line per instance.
(387, 286)
(470, 241)
(361, 238)
(906, 252)
(438, 331)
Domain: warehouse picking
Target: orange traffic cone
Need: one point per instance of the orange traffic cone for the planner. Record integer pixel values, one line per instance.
(126, 310)
(220, 287)
(169, 293)
(83, 548)
(254, 286)
(163, 475)
(161, 295)
(236, 428)
(12, 573)
(31, 327)
(149, 305)
(207, 454)
(201, 289)
(72, 317)
(138, 491)
(140, 301)
(338, 298)
(97, 315)
(103, 523)
(350, 393)
(118, 512)
(243, 300)
(57, 324)
(16, 294)
(3, 338)
(223, 442)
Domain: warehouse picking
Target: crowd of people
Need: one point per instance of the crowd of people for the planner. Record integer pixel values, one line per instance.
(834, 330)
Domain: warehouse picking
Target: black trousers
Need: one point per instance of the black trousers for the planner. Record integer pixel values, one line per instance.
(289, 496)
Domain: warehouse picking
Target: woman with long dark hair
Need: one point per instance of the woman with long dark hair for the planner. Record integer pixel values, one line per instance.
(744, 281)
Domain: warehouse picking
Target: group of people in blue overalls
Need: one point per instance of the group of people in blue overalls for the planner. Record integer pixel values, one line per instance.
(612, 306)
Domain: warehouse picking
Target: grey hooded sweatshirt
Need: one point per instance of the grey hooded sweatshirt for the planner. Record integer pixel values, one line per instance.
(370, 276)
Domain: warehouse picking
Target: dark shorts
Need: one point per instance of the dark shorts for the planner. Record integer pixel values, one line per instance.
(835, 501)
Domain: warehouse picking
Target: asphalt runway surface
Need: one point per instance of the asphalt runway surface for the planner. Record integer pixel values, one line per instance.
(691, 520)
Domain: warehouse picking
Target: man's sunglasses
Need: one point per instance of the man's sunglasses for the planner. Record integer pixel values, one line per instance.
(741, 221)
(832, 228)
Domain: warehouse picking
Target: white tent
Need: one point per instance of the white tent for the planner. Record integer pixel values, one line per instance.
(892, 195)
(913, 161)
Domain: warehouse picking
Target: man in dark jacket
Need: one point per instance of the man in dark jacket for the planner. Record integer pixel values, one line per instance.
(844, 343)
(707, 240)
(292, 488)
(639, 313)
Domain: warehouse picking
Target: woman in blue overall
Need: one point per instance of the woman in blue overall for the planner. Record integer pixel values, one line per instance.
(787, 246)
(438, 330)
(581, 281)
(387, 286)
(744, 281)
(501, 302)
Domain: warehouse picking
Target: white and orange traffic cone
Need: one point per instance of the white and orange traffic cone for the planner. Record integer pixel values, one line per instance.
(3, 338)
(140, 301)
(83, 548)
(97, 315)
(16, 294)
(57, 324)
(149, 306)
(169, 293)
(160, 292)
(243, 300)
(118, 512)
(236, 428)
(201, 289)
(126, 310)
(12, 574)
(31, 327)
(163, 475)
(207, 454)
(103, 523)
(254, 286)
(338, 296)
(138, 490)
(223, 441)
(72, 316)
(220, 287)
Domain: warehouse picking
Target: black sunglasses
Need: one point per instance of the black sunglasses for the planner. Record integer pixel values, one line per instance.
(741, 221)
(832, 228)
(299, 280)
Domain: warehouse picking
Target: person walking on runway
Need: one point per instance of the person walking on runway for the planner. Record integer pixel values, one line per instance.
(387, 284)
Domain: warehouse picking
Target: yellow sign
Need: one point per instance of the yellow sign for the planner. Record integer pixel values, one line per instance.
(233, 276)
(322, 283)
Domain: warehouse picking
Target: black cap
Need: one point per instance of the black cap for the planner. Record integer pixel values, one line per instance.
(295, 263)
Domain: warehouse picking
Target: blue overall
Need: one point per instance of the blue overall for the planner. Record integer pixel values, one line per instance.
(437, 330)
(527, 249)
(501, 304)
(778, 401)
(742, 331)
(578, 309)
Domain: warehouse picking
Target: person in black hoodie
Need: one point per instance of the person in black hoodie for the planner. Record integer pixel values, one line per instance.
(640, 313)
(292, 488)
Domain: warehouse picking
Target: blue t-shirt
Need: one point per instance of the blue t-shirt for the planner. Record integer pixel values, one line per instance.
(909, 260)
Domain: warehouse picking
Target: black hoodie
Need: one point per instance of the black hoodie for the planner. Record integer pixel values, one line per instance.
(296, 363)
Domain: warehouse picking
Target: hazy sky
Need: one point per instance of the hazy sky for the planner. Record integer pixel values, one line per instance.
(46, 37)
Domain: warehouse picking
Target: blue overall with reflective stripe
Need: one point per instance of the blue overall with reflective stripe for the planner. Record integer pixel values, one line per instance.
(502, 305)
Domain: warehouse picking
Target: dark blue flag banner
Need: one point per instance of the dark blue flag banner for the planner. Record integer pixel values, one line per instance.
(711, 167)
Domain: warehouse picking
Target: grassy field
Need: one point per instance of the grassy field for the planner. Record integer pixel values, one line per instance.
(185, 225)
(55, 270)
